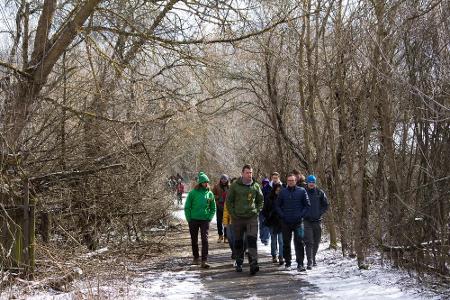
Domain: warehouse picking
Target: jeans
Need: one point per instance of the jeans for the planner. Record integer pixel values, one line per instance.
(287, 231)
(264, 231)
(219, 219)
(276, 242)
(230, 236)
(194, 226)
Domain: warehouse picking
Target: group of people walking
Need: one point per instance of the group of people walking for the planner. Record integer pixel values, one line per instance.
(242, 206)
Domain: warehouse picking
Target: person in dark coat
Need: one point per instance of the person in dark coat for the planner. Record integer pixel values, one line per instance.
(220, 191)
(180, 191)
(274, 223)
(300, 178)
(264, 230)
(313, 220)
(292, 206)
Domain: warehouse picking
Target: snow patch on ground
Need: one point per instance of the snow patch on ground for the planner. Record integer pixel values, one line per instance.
(337, 277)
(172, 285)
(152, 285)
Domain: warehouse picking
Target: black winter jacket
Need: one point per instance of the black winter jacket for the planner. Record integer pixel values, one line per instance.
(319, 205)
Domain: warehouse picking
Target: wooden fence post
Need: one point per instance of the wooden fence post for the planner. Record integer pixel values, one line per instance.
(17, 220)
(28, 230)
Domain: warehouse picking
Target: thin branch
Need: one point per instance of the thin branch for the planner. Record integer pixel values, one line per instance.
(14, 69)
(186, 42)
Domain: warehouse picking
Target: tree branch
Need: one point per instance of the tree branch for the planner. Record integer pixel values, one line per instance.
(15, 70)
(62, 40)
(43, 28)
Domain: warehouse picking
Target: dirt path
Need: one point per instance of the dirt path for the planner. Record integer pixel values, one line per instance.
(221, 281)
(270, 282)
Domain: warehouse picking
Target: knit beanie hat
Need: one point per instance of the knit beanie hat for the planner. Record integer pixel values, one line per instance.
(311, 179)
(224, 177)
(265, 180)
(202, 178)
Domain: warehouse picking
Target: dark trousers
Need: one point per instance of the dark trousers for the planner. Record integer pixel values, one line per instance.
(219, 218)
(230, 236)
(288, 230)
(194, 226)
(248, 228)
(313, 233)
(180, 198)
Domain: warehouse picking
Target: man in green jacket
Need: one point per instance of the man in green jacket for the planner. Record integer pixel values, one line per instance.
(245, 200)
(199, 210)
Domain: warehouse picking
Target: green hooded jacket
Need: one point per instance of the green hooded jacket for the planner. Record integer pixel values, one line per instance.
(244, 201)
(200, 205)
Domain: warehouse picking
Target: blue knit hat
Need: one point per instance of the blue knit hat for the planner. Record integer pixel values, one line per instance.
(265, 180)
(224, 177)
(311, 179)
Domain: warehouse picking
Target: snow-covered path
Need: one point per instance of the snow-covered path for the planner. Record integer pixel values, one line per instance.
(334, 278)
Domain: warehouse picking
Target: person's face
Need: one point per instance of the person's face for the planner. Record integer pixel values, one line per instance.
(311, 185)
(277, 191)
(275, 178)
(247, 174)
(205, 184)
(223, 180)
(291, 181)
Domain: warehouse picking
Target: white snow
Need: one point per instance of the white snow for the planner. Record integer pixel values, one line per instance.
(95, 253)
(151, 285)
(338, 277)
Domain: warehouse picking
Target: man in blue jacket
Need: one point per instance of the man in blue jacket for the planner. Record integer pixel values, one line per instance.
(312, 220)
(292, 206)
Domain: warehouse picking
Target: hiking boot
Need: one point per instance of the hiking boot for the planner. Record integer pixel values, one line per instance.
(314, 264)
(308, 267)
(196, 261)
(220, 239)
(274, 259)
(253, 269)
(301, 268)
(205, 265)
(225, 239)
(238, 268)
(280, 261)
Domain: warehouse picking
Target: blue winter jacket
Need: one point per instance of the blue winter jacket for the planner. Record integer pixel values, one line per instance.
(319, 205)
(292, 204)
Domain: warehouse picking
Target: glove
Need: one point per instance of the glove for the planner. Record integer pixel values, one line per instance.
(300, 231)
